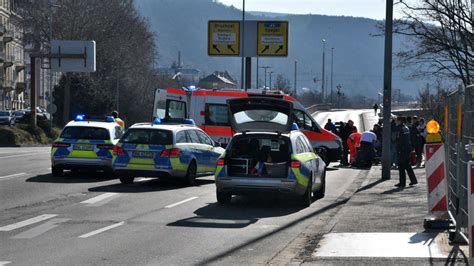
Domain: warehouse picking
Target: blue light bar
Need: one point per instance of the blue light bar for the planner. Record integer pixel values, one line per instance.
(189, 122)
(109, 119)
(79, 118)
(157, 121)
(294, 126)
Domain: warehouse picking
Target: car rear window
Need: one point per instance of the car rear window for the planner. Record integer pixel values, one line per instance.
(4, 113)
(148, 136)
(94, 133)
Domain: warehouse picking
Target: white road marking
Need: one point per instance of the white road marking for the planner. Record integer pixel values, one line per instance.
(21, 155)
(24, 223)
(13, 175)
(99, 198)
(98, 231)
(179, 203)
(4, 263)
(41, 229)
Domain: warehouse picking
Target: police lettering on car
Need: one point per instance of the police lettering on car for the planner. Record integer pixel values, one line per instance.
(165, 149)
(85, 143)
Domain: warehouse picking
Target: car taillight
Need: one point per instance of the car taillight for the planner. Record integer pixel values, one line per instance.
(220, 162)
(61, 145)
(105, 146)
(295, 164)
(118, 150)
(175, 152)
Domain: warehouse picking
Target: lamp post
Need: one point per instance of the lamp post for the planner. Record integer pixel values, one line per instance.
(339, 94)
(265, 78)
(270, 73)
(332, 68)
(324, 59)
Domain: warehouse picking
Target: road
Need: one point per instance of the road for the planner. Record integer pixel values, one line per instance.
(83, 218)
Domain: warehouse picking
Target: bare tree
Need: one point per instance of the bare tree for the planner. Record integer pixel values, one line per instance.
(442, 35)
(283, 84)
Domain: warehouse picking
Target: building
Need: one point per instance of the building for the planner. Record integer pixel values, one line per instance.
(218, 80)
(12, 72)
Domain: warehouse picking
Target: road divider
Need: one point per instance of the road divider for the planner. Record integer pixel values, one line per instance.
(180, 202)
(27, 222)
(101, 230)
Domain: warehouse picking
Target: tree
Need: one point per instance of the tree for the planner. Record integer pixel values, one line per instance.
(443, 40)
(283, 84)
(125, 49)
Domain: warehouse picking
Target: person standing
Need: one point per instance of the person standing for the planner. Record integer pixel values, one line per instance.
(119, 121)
(344, 134)
(404, 150)
(330, 126)
(376, 107)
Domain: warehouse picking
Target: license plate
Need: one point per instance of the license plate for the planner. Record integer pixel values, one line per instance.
(143, 154)
(83, 147)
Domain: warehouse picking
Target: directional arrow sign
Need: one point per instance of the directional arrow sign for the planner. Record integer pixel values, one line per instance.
(223, 38)
(272, 38)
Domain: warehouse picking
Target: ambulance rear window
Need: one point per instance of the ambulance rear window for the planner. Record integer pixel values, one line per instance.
(148, 136)
(94, 133)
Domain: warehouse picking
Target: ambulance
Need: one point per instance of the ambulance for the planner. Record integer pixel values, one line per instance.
(209, 110)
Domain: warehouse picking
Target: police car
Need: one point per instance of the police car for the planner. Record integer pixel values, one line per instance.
(85, 143)
(165, 149)
(268, 154)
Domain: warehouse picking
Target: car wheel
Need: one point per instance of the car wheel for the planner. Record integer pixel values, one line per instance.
(223, 198)
(56, 171)
(306, 199)
(190, 178)
(126, 180)
(323, 153)
(319, 194)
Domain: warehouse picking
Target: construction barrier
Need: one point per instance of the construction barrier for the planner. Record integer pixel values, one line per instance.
(436, 179)
(470, 172)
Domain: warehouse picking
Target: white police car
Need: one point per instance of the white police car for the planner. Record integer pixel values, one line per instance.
(165, 150)
(85, 143)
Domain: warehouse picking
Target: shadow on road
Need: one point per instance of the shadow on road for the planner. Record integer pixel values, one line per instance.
(70, 177)
(371, 185)
(243, 212)
(146, 186)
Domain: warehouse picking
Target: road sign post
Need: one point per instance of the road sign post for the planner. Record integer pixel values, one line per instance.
(272, 38)
(223, 38)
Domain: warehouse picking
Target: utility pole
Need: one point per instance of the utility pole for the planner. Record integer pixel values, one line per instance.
(323, 75)
(256, 80)
(296, 69)
(387, 91)
(265, 78)
(332, 68)
(242, 46)
(50, 105)
(271, 72)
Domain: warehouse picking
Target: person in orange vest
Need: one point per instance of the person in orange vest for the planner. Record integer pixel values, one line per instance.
(119, 121)
(353, 142)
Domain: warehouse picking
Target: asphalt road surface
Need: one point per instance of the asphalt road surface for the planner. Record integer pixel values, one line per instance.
(83, 218)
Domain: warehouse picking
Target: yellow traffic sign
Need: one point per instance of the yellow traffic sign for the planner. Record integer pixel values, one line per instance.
(272, 38)
(223, 38)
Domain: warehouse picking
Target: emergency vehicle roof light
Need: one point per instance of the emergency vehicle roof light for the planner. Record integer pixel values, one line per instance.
(157, 121)
(432, 127)
(189, 122)
(294, 126)
(109, 118)
(79, 117)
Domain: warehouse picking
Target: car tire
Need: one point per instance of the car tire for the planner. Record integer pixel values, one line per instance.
(323, 154)
(223, 198)
(56, 171)
(319, 194)
(190, 178)
(126, 180)
(306, 199)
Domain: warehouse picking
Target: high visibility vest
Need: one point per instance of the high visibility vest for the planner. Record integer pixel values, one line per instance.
(120, 122)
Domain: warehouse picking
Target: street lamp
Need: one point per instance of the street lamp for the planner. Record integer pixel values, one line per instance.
(265, 79)
(332, 68)
(324, 58)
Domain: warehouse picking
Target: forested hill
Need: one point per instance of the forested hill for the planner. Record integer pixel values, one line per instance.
(181, 25)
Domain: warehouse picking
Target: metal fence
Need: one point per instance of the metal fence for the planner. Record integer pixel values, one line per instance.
(459, 128)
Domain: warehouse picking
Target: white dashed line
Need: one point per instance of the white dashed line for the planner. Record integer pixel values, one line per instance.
(41, 229)
(13, 175)
(98, 231)
(99, 198)
(21, 155)
(4, 262)
(179, 203)
(24, 223)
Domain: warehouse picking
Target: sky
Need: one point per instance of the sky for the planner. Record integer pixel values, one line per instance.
(374, 9)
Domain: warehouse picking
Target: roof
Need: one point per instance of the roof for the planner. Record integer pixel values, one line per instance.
(107, 125)
(223, 77)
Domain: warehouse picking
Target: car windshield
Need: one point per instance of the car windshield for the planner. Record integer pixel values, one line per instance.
(148, 136)
(93, 133)
(3, 113)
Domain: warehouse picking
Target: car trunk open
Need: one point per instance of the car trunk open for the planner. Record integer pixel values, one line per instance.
(266, 156)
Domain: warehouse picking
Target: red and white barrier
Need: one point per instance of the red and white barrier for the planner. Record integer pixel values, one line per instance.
(436, 178)
(470, 185)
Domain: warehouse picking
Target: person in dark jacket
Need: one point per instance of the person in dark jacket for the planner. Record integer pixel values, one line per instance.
(330, 126)
(404, 148)
(344, 134)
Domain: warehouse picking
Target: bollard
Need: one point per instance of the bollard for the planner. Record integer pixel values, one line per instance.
(436, 182)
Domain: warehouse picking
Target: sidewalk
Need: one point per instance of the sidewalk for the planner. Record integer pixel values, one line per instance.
(383, 225)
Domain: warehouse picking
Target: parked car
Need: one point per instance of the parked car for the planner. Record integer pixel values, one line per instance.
(268, 154)
(7, 118)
